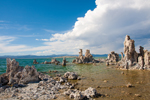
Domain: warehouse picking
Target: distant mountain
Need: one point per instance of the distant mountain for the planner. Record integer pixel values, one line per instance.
(46, 56)
(32, 56)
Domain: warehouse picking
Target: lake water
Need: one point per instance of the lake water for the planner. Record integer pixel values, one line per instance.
(108, 78)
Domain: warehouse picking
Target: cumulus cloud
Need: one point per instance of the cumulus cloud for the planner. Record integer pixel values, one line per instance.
(104, 29)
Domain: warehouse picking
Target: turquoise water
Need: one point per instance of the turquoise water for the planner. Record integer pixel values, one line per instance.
(40, 67)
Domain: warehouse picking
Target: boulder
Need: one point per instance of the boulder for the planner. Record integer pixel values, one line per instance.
(77, 95)
(29, 74)
(90, 92)
(71, 75)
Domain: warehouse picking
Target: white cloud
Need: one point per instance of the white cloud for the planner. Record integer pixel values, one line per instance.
(104, 29)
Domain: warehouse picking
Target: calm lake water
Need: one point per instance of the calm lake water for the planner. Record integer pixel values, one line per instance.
(110, 79)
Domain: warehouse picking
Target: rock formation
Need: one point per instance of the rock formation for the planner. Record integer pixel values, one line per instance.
(54, 61)
(122, 57)
(112, 57)
(64, 62)
(129, 50)
(16, 74)
(35, 62)
(88, 58)
(147, 59)
(132, 59)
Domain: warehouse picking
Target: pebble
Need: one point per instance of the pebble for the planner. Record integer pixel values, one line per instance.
(129, 85)
(138, 95)
(98, 87)
(122, 72)
(105, 81)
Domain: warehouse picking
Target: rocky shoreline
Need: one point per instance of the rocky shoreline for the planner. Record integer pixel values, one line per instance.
(26, 83)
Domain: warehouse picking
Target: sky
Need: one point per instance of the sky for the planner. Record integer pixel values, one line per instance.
(37, 27)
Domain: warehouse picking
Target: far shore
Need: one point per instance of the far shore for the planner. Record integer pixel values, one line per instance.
(66, 57)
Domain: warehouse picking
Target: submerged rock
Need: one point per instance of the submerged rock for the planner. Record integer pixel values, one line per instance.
(35, 62)
(64, 62)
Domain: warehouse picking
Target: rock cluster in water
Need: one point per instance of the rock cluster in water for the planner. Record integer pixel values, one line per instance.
(88, 58)
(35, 62)
(16, 74)
(112, 58)
(132, 59)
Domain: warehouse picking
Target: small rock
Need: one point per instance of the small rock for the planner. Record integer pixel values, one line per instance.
(122, 72)
(138, 95)
(79, 78)
(13, 95)
(138, 82)
(71, 87)
(122, 91)
(107, 63)
(98, 87)
(105, 81)
(129, 85)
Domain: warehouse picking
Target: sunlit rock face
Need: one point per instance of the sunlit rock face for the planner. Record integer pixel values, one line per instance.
(147, 58)
(132, 59)
(129, 50)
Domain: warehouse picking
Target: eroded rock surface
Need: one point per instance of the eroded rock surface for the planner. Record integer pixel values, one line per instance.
(88, 58)
(71, 75)
(48, 88)
(112, 58)
(132, 59)
(79, 95)
(16, 74)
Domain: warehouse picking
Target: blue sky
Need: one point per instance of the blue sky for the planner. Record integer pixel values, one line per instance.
(64, 26)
